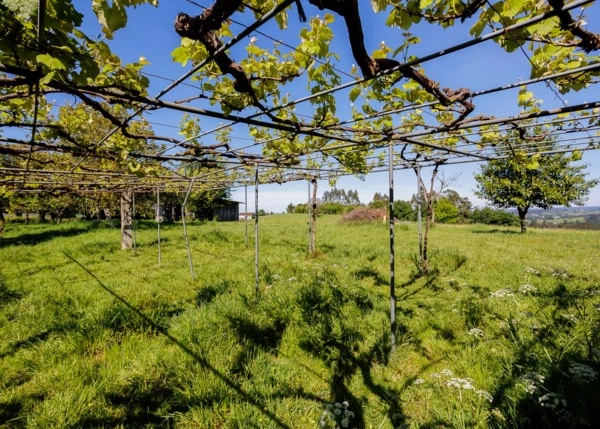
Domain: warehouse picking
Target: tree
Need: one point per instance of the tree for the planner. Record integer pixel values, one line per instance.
(490, 216)
(446, 211)
(403, 210)
(543, 181)
(380, 201)
(462, 204)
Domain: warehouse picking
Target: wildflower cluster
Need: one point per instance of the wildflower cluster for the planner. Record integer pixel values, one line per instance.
(531, 271)
(460, 384)
(552, 401)
(527, 289)
(502, 293)
(561, 273)
(336, 416)
(583, 373)
(476, 332)
(531, 382)
(484, 395)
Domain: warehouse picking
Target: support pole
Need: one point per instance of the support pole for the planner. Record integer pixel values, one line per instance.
(256, 230)
(158, 223)
(308, 210)
(392, 262)
(185, 234)
(126, 219)
(419, 219)
(313, 219)
(134, 226)
(246, 212)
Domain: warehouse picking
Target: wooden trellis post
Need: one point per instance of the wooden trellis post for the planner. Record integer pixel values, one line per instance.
(187, 240)
(127, 219)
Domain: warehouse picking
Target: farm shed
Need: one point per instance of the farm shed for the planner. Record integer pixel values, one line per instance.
(226, 210)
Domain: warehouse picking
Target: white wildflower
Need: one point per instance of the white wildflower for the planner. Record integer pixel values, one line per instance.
(552, 401)
(583, 373)
(527, 289)
(476, 332)
(460, 383)
(446, 372)
(532, 271)
(419, 381)
(485, 395)
(531, 382)
(502, 293)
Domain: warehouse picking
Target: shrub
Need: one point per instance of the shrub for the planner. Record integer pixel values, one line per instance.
(490, 216)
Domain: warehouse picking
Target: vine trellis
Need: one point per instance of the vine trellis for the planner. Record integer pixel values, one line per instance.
(41, 154)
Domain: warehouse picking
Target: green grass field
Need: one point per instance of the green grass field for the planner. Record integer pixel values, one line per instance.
(503, 332)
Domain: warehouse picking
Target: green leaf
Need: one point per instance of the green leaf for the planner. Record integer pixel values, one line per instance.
(354, 93)
(51, 62)
(111, 17)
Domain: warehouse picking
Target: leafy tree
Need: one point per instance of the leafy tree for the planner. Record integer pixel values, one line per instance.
(462, 204)
(332, 208)
(301, 208)
(490, 216)
(380, 201)
(446, 211)
(543, 181)
(403, 210)
(340, 196)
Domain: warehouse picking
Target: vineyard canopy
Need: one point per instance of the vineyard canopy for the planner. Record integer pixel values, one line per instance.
(263, 87)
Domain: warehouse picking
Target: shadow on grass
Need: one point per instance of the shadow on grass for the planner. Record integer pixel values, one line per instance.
(200, 360)
(30, 239)
(10, 411)
(567, 336)
(327, 336)
(208, 293)
(30, 341)
(366, 272)
(496, 231)
(7, 295)
(253, 338)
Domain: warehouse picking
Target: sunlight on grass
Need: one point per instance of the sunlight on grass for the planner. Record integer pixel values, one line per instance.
(504, 332)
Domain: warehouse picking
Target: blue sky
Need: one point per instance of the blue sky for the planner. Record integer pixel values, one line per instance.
(149, 33)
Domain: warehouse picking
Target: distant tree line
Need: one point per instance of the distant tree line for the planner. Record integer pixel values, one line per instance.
(448, 207)
(99, 206)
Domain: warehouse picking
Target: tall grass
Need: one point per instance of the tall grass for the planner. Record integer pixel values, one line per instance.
(503, 332)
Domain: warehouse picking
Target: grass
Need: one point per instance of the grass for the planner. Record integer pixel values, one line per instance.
(504, 332)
